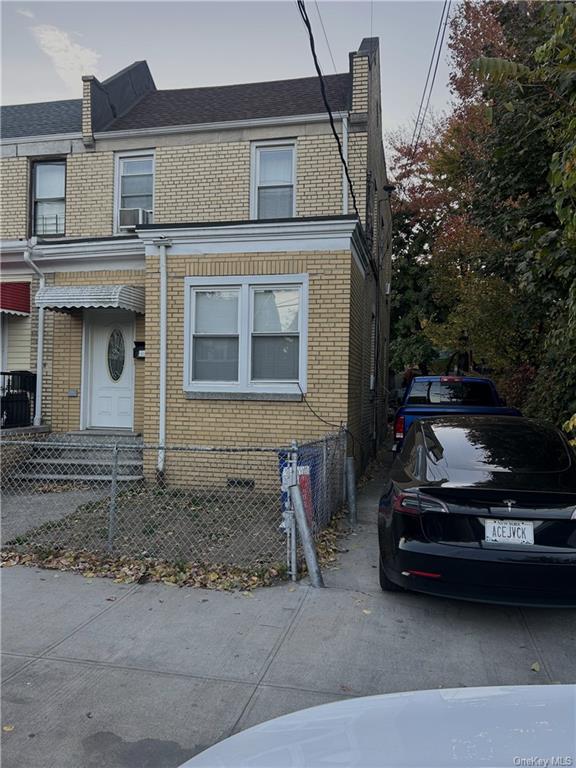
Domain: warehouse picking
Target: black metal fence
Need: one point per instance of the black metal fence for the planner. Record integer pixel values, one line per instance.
(17, 398)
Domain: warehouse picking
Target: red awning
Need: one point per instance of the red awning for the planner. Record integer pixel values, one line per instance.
(15, 298)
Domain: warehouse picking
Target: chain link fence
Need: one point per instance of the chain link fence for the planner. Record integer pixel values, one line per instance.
(225, 506)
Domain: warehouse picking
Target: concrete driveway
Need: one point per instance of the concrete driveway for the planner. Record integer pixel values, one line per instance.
(101, 675)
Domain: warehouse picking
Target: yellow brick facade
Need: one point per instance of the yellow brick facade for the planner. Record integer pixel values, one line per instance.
(193, 183)
(90, 194)
(247, 422)
(202, 182)
(13, 197)
(338, 356)
(360, 69)
(318, 177)
(209, 180)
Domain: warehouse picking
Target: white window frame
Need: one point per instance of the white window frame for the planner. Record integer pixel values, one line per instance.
(36, 199)
(118, 157)
(245, 286)
(255, 171)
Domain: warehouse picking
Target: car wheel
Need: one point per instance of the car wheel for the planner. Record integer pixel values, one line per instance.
(385, 583)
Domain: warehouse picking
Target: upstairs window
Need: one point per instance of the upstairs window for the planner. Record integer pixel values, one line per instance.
(134, 190)
(273, 181)
(49, 198)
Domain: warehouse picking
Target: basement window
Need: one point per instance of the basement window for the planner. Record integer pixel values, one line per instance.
(246, 334)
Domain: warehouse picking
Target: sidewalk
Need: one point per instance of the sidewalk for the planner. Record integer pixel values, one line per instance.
(102, 675)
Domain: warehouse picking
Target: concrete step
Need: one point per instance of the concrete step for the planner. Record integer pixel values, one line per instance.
(44, 477)
(88, 454)
(83, 457)
(72, 466)
(94, 438)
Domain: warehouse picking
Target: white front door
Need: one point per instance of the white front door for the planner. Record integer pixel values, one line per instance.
(110, 368)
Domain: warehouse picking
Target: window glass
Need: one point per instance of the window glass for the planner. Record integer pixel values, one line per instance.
(136, 182)
(216, 312)
(50, 180)
(216, 345)
(275, 182)
(49, 218)
(451, 393)
(276, 311)
(116, 354)
(49, 198)
(140, 165)
(276, 166)
(275, 203)
(248, 333)
(136, 185)
(275, 358)
(215, 358)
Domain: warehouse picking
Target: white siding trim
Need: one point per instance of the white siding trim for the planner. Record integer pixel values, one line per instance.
(222, 125)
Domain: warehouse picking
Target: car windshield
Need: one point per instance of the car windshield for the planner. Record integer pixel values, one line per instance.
(451, 393)
(503, 448)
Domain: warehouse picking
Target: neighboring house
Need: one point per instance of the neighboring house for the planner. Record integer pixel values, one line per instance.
(189, 265)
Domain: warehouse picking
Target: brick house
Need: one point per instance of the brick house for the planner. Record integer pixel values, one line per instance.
(189, 263)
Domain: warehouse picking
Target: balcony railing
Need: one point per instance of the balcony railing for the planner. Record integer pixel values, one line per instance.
(17, 398)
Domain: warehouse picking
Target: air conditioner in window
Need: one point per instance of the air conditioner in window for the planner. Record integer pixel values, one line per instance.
(130, 218)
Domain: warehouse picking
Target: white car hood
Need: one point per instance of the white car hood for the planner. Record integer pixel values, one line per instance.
(500, 727)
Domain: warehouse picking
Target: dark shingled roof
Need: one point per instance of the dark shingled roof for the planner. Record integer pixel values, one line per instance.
(49, 117)
(186, 106)
(279, 98)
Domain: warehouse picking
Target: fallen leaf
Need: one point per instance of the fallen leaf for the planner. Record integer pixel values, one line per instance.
(7, 728)
(366, 611)
(535, 667)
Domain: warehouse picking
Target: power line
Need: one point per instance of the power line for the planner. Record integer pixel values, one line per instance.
(423, 108)
(325, 35)
(422, 98)
(307, 24)
(433, 76)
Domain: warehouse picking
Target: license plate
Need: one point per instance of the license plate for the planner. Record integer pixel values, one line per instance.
(509, 531)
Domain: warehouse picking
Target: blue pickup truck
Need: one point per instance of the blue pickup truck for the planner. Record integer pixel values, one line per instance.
(442, 395)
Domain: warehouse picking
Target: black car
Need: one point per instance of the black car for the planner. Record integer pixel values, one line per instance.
(481, 508)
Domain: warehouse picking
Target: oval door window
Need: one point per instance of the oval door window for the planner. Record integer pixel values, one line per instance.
(116, 354)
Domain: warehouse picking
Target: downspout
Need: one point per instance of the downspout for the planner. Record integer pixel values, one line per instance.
(40, 341)
(162, 244)
(345, 153)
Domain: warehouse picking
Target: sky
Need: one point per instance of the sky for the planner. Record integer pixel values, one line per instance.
(47, 46)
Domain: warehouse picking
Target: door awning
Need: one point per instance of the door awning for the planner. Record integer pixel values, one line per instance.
(15, 298)
(66, 297)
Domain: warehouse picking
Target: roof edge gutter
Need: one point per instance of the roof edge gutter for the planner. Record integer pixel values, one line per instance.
(36, 139)
(321, 117)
